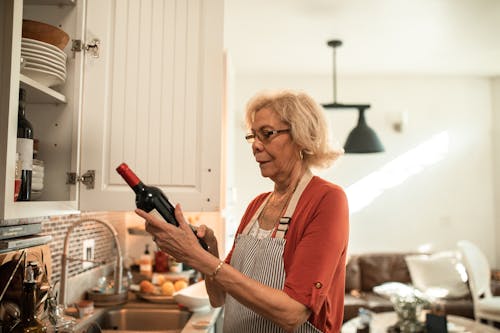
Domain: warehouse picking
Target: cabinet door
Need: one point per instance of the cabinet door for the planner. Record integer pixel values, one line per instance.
(10, 51)
(53, 111)
(153, 99)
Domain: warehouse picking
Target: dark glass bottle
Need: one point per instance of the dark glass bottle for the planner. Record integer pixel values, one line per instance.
(151, 199)
(24, 148)
(29, 322)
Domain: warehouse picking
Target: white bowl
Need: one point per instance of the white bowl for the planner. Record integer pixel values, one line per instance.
(37, 172)
(37, 178)
(194, 297)
(36, 185)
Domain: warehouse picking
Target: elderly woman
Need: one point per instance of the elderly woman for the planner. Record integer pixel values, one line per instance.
(286, 269)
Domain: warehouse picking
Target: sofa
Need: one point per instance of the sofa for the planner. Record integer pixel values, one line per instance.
(366, 271)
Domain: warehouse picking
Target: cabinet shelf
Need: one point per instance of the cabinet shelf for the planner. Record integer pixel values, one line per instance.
(50, 2)
(25, 209)
(39, 94)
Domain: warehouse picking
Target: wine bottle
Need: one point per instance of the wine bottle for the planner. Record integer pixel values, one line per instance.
(151, 199)
(24, 148)
(29, 322)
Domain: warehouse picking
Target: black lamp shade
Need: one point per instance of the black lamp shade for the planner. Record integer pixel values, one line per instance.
(362, 138)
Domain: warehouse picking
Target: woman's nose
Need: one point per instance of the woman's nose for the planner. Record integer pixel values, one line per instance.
(257, 145)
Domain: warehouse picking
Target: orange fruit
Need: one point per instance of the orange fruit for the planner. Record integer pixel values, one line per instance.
(147, 287)
(167, 288)
(180, 284)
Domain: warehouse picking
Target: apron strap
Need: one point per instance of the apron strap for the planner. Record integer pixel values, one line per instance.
(282, 227)
(284, 223)
(301, 186)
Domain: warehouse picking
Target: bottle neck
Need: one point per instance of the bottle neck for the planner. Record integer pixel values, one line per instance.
(130, 177)
(22, 102)
(29, 302)
(21, 110)
(139, 187)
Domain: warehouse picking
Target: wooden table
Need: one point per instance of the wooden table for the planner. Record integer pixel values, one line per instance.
(381, 321)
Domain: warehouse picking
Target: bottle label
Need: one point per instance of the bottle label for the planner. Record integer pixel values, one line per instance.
(25, 150)
(145, 264)
(157, 214)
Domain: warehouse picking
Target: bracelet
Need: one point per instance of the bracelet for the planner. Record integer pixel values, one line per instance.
(217, 269)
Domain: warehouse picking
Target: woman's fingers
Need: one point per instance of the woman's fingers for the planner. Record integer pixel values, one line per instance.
(180, 218)
(150, 219)
(201, 231)
(174, 240)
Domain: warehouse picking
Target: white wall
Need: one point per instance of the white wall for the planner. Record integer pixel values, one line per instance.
(496, 156)
(442, 203)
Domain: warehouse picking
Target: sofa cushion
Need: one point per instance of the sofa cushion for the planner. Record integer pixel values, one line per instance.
(458, 307)
(353, 274)
(439, 275)
(383, 267)
(388, 289)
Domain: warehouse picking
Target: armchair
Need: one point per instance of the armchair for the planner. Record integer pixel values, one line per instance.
(486, 306)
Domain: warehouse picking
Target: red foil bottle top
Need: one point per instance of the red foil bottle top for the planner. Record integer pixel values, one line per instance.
(127, 174)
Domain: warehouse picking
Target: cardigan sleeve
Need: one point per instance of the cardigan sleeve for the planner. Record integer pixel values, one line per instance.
(315, 260)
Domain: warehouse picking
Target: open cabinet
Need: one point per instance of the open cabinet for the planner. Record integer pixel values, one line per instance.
(144, 85)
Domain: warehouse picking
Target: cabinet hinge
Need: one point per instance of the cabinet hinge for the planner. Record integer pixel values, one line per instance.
(88, 178)
(93, 47)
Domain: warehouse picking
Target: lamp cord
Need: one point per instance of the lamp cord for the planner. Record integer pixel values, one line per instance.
(334, 76)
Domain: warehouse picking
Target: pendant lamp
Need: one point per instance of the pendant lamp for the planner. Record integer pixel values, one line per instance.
(362, 138)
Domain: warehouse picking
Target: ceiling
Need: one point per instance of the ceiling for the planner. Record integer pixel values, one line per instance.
(449, 37)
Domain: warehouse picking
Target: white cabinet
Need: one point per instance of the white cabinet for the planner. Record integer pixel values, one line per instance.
(152, 98)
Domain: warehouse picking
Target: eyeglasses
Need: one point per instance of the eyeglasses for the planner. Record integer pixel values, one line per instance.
(264, 136)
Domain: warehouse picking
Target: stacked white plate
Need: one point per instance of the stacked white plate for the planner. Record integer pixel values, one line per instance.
(43, 62)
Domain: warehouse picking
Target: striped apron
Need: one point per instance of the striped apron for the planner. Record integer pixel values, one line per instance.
(262, 260)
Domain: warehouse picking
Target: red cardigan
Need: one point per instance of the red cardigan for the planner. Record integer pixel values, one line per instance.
(315, 251)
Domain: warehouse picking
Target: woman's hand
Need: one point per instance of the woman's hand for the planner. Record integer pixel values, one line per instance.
(178, 242)
(208, 236)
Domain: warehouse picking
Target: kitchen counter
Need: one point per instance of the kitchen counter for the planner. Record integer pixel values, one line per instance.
(203, 321)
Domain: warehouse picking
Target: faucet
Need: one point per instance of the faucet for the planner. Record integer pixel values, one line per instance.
(65, 258)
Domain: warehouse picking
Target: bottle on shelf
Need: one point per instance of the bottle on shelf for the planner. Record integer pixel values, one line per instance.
(24, 148)
(151, 199)
(17, 177)
(145, 263)
(29, 322)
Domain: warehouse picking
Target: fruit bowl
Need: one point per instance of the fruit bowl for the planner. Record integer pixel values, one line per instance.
(45, 33)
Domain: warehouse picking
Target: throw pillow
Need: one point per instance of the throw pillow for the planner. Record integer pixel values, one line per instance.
(440, 275)
(389, 289)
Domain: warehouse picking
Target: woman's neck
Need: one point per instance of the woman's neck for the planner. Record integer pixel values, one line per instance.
(289, 183)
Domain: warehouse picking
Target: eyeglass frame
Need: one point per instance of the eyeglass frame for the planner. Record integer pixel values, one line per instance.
(264, 136)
